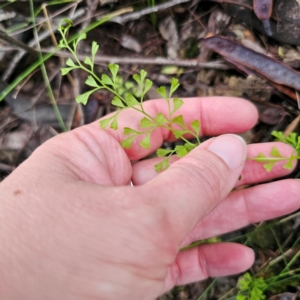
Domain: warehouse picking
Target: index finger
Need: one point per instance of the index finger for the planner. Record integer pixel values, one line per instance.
(217, 115)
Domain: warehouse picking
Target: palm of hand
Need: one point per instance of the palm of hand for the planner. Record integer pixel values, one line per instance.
(85, 233)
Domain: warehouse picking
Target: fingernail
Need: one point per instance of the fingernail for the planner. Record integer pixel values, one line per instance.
(230, 148)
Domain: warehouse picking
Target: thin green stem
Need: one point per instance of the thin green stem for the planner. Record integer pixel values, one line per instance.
(169, 107)
(291, 262)
(113, 90)
(269, 159)
(187, 141)
(45, 75)
(283, 275)
(208, 289)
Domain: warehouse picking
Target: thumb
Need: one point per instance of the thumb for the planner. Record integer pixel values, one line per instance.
(198, 182)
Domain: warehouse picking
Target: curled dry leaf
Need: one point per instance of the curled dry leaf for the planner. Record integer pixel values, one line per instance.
(168, 31)
(130, 43)
(269, 68)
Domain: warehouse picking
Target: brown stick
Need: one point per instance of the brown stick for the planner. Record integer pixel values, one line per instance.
(272, 69)
(104, 59)
(138, 14)
(17, 43)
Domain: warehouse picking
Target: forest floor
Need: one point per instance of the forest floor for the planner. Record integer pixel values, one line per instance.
(165, 38)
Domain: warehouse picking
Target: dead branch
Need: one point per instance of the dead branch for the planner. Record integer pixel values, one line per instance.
(138, 14)
(32, 43)
(16, 43)
(100, 59)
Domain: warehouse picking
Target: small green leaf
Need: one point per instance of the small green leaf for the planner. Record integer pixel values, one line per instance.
(292, 139)
(169, 70)
(114, 68)
(179, 133)
(181, 151)
(114, 123)
(289, 165)
(91, 81)
(298, 143)
(68, 24)
(62, 44)
(70, 63)
(118, 81)
(116, 101)
(196, 126)
(106, 80)
(145, 143)
(189, 147)
(127, 143)
(65, 71)
(279, 135)
(80, 38)
(137, 78)
(268, 167)
(143, 75)
(74, 45)
(131, 100)
(179, 121)
(83, 98)
(88, 61)
(174, 86)
(162, 165)
(163, 152)
(163, 92)
(177, 103)
(95, 48)
(158, 167)
(128, 130)
(104, 123)
(160, 118)
(260, 157)
(120, 91)
(146, 123)
(275, 152)
(148, 85)
(136, 92)
(128, 85)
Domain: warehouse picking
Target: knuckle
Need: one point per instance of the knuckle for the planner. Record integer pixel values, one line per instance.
(204, 174)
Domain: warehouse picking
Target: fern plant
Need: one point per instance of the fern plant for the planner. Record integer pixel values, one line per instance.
(251, 288)
(133, 95)
(275, 156)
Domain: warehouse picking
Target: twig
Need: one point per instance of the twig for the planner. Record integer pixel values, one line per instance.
(6, 168)
(42, 20)
(54, 41)
(16, 43)
(138, 14)
(32, 43)
(20, 77)
(100, 59)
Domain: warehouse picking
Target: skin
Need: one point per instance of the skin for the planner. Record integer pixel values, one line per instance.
(73, 228)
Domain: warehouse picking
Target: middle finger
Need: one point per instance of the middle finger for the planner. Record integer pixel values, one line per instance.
(253, 171)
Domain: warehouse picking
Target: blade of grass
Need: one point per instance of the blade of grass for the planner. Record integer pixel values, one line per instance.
(208, 288)
(44, 58)
(45, 75)
(21, 27)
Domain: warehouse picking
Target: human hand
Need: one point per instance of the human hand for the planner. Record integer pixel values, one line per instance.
(73, 227)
